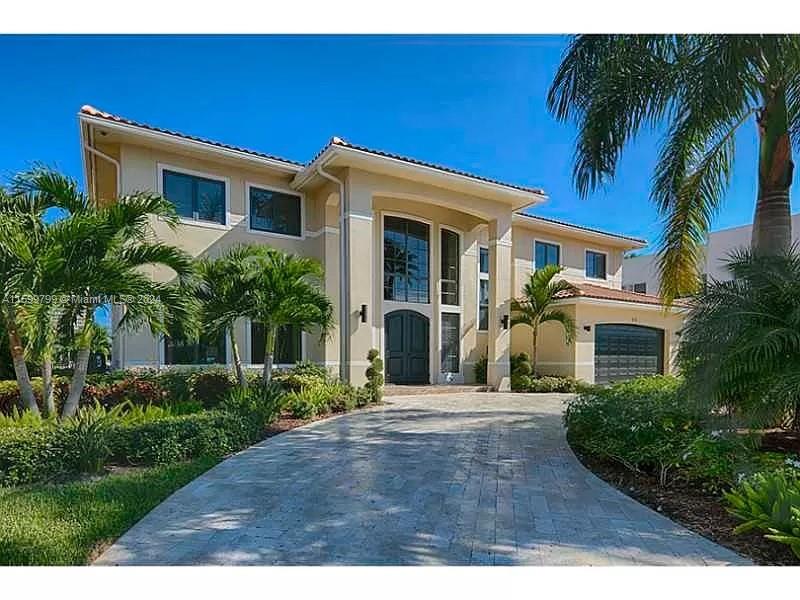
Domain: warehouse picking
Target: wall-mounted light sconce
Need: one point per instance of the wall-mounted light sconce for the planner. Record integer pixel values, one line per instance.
(504, 321)
(587, 327)
(363, 313)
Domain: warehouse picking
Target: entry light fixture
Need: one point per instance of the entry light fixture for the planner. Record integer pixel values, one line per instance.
(363, 313)
(587, 327)
(504, 321)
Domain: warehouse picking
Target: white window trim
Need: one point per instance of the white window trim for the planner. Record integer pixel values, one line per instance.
(161, 167)
(451, 307)
(248, 336)
(409, 217)
(586, 264)
(273, 188)
(552, 243)
(484, 276)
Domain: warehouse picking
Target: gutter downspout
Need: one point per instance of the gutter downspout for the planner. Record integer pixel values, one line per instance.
(89, 147)
(344, 273)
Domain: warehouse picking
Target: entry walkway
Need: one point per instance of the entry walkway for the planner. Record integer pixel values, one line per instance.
(455, 479)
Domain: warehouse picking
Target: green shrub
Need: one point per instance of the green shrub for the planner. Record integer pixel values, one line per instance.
(89, 433)
(520, 383)
(309, 402)
(521, 364)
(550, 384)
(29, 454)
(210, 386)
(480, 369)
(769, 502)
(375, 375)
(262, 406)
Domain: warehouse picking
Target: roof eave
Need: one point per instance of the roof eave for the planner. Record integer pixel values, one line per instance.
(622, 241)
(675, 309)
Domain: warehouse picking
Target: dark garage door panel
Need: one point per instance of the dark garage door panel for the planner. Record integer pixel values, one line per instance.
(627, 351)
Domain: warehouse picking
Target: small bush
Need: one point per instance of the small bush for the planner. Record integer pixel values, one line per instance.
(520, 383)
(309, 402)
(549, 384)
(29, 454)
(210, 386)
(262, 406)
(89, 433)
(375, 375)
(769, 502)
(480, 370)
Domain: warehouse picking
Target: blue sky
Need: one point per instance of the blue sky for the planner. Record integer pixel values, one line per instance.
(473, 103)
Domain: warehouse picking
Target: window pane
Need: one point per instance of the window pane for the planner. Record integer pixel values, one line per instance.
(274, 211)
(640, 288)
(204, 352)
(406, 255)
(288, 345)
(483, 304)
(450, 267)
(483, 260)
(451, 335)
(595, 265)
(210, 200)
(179, 189)
(546, 254)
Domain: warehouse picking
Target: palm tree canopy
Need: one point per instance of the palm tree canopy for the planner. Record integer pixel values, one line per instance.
(742, 339)
(703, 88)
(537, 304)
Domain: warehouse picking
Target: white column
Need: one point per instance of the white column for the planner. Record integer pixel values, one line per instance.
(500, 265)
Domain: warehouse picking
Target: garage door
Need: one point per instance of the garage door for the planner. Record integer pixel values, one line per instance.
(627, 351)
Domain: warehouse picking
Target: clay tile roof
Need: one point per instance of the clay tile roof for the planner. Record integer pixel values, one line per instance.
(337, 141)
(582, 227)
(95, 112)
(588, 290)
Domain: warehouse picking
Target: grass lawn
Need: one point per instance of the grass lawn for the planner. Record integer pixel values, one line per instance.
(65, 524)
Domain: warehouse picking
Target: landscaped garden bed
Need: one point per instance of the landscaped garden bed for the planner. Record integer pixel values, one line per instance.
(647, 440)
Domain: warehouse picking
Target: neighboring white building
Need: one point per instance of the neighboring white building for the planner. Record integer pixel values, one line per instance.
(640, 273)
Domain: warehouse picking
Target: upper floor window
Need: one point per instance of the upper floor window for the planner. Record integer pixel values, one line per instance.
(483, 260)
(195, 197)
(639, 288)
(275, 212)
(546, 254)
(406, 251)
(450, 267)
(595, 265)
(206, 351)
(288, 345)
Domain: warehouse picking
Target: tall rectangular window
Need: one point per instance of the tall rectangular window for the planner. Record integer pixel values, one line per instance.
(406, 276)
(546, 254)
(195, 197)
(595, 265)
(206, 351)
(451, 336)
(483, 289)
(288, 345)
(450, 267)
(275, 212)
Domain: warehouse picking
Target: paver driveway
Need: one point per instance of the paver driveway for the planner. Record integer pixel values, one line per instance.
(447, 479)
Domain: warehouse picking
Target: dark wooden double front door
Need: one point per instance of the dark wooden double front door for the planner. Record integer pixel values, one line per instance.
(407, 347)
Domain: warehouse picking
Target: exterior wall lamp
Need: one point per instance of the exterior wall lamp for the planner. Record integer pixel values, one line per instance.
(587, 327)
(363, 313)
(504, 321)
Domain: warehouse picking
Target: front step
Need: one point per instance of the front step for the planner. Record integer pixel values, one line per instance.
(427, 390)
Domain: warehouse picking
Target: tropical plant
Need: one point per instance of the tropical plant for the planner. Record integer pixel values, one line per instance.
(740, 346)
(375, 375)
(224, 293)
(285, 290)
(538, 305)
(100, 251)
(770, 502)
(704, 88)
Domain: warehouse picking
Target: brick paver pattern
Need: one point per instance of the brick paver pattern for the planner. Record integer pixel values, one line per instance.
(451, 479)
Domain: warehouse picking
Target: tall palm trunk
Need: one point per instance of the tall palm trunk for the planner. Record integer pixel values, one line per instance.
(237, 360)
(269, 353)
(533, 353)
(772, 224)
(81, 367)
(48, 401)
(20, 366)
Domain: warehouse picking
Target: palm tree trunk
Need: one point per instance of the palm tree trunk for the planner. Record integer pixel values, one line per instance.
(237, 359)
(772, 224)
(269, 353)
(81, 367)
(47, 387)
(533, 353)
(20, 366)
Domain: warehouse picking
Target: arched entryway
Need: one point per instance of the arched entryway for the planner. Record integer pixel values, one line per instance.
(407, 347)
(623, 351)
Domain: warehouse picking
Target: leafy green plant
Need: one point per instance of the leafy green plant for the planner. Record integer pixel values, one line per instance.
(769, 502)
(262, 404)
(209, 386)
(480, 369)
(375, 375)
(310, 402)
(552, 384)
(89, 433)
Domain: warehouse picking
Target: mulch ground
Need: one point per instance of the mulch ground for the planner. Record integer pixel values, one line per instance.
(700, 512)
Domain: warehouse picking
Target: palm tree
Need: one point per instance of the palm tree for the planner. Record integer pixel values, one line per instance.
(704, 88)
(285, 290)
(740, 347)
(538, 305)
(103, 249)
(224, 293)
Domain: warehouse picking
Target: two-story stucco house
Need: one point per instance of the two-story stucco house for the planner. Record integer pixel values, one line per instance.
(422, 261)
